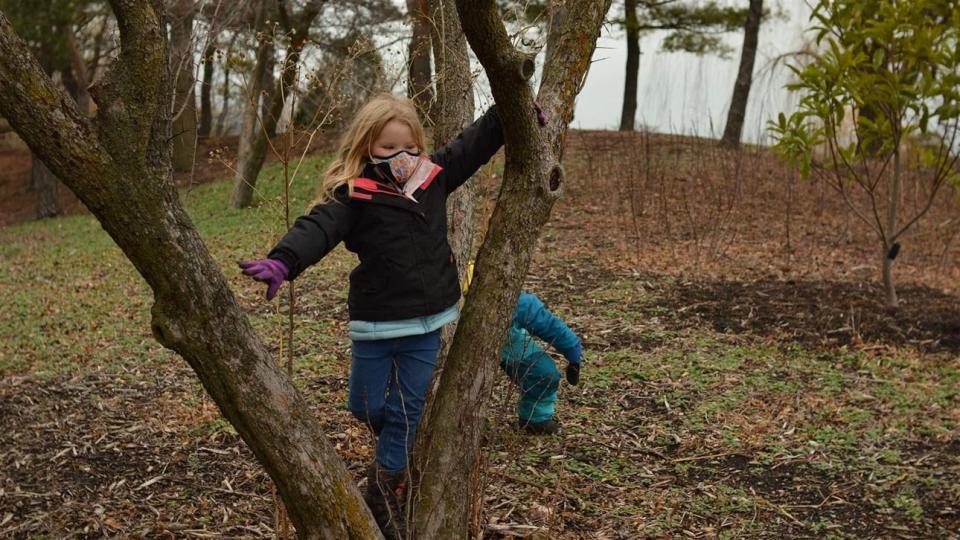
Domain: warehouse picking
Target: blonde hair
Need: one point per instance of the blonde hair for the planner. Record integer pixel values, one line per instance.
(356, 146)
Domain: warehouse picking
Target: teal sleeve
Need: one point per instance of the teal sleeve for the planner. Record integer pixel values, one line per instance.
(534, 317)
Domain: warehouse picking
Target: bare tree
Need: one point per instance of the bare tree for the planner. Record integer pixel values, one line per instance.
(258, 127)
(227, 55)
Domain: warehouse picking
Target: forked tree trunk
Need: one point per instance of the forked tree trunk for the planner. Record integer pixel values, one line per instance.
(733, 131)
(531, 184)
(629, 112)
(118, 164)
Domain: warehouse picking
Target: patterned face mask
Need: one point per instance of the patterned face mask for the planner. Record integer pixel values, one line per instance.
(403, 165)
(409, 170)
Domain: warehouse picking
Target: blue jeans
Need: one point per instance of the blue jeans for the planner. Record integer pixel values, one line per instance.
(389, 379)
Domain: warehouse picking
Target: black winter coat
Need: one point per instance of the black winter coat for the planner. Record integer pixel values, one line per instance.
(406, 266)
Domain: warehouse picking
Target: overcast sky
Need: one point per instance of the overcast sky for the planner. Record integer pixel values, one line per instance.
(685, 93)
(682, 92)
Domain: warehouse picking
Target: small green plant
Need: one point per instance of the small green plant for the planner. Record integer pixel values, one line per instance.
(880, 105)
(909, 505)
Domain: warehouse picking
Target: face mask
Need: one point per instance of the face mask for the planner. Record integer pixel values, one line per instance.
(403, 165)
(409, 170)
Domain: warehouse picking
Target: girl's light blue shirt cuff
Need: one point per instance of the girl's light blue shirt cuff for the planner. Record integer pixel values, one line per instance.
(371, 330)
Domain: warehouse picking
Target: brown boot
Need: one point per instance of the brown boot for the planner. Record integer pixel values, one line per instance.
(385, 494)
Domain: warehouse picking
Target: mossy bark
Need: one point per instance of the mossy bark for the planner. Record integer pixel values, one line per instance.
(531, 184)
(118, 164)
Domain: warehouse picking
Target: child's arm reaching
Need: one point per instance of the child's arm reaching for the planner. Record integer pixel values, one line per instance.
(311, 237)
(534, 317)
(472, 148)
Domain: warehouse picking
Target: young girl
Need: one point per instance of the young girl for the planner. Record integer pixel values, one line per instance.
(386, 201)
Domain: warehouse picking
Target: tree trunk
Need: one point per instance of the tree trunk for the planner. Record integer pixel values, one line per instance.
(741, 88)
(262, 127)
(184, 103)
(532, 182)
(629, 112)
(45, 184)
(118, 164)
(242, 194)
(206, 113)
(889, 288)
(418, 74)
(453, 110)
(267, 92)
(225, 105)
(225, 91)
(890, 246)
(80, 74)
(557, 12)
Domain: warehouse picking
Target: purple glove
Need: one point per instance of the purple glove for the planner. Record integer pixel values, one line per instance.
(541, 116)
(270, 271)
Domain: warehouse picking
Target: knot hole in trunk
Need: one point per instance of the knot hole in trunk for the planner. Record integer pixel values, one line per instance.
(555, 179)
(527, 68)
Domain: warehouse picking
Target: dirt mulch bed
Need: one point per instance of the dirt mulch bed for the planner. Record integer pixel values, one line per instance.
(820, 313)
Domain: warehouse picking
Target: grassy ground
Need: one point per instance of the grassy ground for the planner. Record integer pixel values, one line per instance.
(715, 403)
